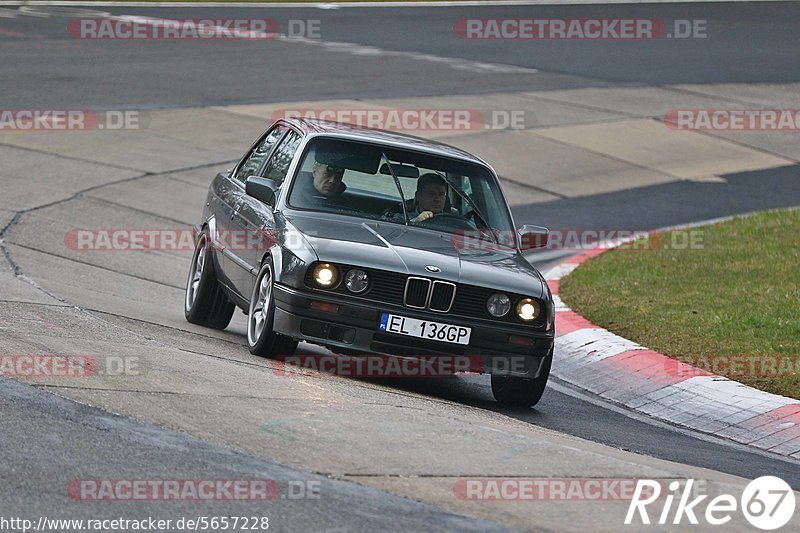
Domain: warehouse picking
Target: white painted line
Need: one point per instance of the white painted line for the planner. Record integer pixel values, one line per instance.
(547, 256)
(559, 304)
(335, 5)
(729, 391)
(55, 11)
(579, 393)
(351, 48)
(717, 220)
(592, 345)
(455, 63)
(560, 271)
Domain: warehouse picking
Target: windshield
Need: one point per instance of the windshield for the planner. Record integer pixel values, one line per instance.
(359, 180)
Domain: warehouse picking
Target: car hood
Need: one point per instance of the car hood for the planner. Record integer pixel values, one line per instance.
(410, 250)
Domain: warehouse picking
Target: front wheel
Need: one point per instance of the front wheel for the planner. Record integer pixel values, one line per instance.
(522, 392)
(261, 339)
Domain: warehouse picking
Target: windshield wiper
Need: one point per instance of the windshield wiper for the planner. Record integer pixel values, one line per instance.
(472, 205)
(399, 189)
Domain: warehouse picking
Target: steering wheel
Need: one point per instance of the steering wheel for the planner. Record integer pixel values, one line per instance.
(449, 219)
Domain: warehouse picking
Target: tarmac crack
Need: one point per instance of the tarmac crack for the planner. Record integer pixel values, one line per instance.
(532, 187)
(19, 302)
(164, 392)
(138, 210)
(732, 100)
(187, 182)
(612, 158)
(17, 214)
(71, 158)
(171, 328)
(107, 269)
(668, 88)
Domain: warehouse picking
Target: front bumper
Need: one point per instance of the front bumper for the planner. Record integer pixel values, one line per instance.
(353, 328)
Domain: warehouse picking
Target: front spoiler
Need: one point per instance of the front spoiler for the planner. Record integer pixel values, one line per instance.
(354, 330)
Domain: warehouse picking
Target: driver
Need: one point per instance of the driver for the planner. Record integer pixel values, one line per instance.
(430, 198)
(327, 180)
(323, 186)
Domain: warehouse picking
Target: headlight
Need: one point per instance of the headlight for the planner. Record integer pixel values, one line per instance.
(528, 309)
(356, 281)
(326, 275)
(498, 305)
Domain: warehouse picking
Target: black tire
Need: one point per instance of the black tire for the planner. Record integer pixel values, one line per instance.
(521, 392)
(205, 303)
(261, 339)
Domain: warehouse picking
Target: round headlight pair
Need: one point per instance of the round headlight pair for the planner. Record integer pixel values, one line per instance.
(326, 276)
(499, 304)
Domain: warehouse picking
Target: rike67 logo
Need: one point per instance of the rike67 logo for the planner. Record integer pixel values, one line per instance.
(767, 503)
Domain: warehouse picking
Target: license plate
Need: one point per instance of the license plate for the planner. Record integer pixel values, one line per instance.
(425, 329)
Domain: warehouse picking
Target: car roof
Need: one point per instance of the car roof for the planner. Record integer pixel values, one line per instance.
(396, 140)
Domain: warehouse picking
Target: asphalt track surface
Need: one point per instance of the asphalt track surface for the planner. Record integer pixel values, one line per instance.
(752, 42)
(60, 436)
(44, 68)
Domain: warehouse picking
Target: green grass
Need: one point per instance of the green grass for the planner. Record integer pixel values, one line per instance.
(735, 298)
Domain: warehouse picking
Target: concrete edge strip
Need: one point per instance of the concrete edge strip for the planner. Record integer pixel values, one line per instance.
(619, 370)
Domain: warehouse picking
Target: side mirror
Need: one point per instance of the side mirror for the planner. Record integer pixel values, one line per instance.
(532, 237)
(262, 189)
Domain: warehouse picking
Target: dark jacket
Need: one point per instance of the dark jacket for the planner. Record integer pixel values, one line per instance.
(304, 194)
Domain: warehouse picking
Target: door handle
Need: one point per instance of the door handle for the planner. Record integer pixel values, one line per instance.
(236, 211)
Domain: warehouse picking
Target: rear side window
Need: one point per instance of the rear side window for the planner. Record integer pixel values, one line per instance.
(256, 158)
(278, 165)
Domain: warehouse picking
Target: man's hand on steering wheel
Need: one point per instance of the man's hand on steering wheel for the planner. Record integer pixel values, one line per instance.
(425, 215)
(444, 218)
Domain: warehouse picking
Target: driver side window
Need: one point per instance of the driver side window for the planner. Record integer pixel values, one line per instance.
(256, 158)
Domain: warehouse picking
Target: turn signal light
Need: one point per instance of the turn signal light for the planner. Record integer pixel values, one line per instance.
(324, 306)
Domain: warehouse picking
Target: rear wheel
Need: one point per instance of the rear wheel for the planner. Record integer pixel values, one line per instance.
(205, 303)
(261, 339)
(522, 392)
